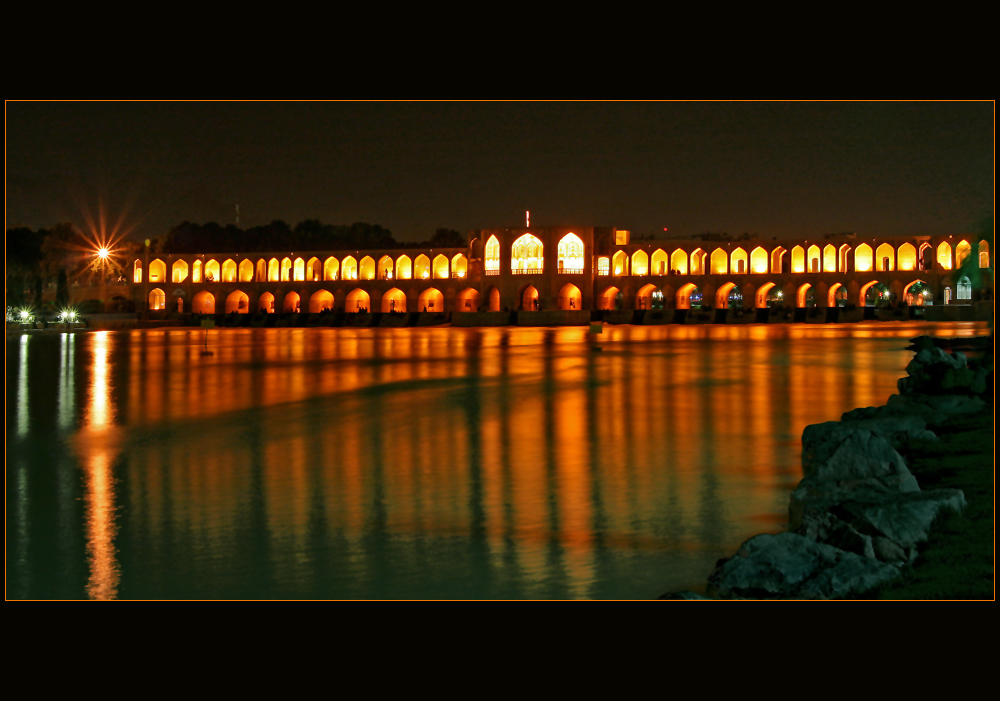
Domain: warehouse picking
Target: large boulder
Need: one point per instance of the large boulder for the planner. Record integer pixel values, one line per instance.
(933, 371)
(843, 453)
(789, 565)
(823, 527)
(898, 428)
(905, 519)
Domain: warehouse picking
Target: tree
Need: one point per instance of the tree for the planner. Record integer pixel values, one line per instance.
(448, 238)
(62, 290)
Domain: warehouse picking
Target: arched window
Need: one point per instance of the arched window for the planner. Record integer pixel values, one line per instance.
(739, 261)
(698, 262)
(526, 255)
(320, 301)
(570, 298)
(314, 271)
(863, 258)
(331, 268)
(299, 270)
(906, 257)
(492, 256)
(393, 301)
(272, 270)
(984, 254)
(404, 268)
(422, 267)
(964, 288)
(659, 262)
(570, 254)
(366, 268)
(640, 263)
(603, 266)
(829, 258)
(798, 259)
(286, 269)
(814, 259)
(679, 262)
(349, 269)
(431, 300)
(459, 266)
(238, 302)
(157, 300)
(385, 266)
(842, 259)
(758, 260)
(962, 251)
(213, 271)
(137, 271)
(440, 267)
(261, 270)
(944, 255)
(157, 271)
(778, 260)
(179, 271)
(619, 263)
(229, 271)
(885, 258)
(197, 270)
(720, 262)
(246, 270)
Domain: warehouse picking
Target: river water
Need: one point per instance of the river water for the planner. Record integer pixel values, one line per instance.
(415, 463)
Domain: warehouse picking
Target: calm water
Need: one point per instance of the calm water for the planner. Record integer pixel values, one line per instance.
(415, 463)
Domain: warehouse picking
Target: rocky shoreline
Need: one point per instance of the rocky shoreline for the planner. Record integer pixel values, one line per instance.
(858, 518)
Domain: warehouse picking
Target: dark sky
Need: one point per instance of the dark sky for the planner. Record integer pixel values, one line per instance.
(778, 169)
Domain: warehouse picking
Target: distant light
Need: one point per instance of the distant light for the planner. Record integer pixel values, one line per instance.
(24, 313)
(102, 253)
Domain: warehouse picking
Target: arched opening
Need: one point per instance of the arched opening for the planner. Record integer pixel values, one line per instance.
(640, 263)
(157, 271)
(885, 258)
(440, 267)
(947, 295)
(459, 266)
(836, 295)
(778, 260)
(229, 270)
(157, 300)
(619, 263)
(404, 268)
(137, 271)
(431, 300)
(963, 289)
(292, 304)
(491, 256)
(213, 271)
(720, 262)
(644, 297)
(203, 303)
(608, 300)
(357, 301)
(603, 266)
(813, 255)
(679, 262)
(526, 253)
(320, 301)
(738, 261)
(944, 255)
(314, 270)
(869, 294)
(570, 297)
(494, 300)
(688, 296)
(842, 257)
(863, 258)
(197, 271)
(180, 305)
(272, 270)
(728, 297)
(179, 271)
(805, 296)
(829, 258)
(385, 268)
(299, 270)
(798, 259)
(349, 269)
(422, 267)
(331, 268)
(529, 299)
(393, 301)
(246, 270)
(286, 269)
(984, 254)
(261, 270)
(266, 303)
(659, 262)
(962, 251)
(760, 299)
(467, 300)
(758, 260)
(698, 262)
(906, 257)
(917, 293)
(366, 268)
(237, 302)
(570, 251)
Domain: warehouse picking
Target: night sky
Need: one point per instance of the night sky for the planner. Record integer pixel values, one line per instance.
(776, 169)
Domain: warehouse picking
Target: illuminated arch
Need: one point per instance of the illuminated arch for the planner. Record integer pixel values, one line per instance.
(526, 253)
(299, 270)
(238, 302)
(831, 300)
(906, 292)
(349, 269)
(842, 257)
(608, 299)
(829, 258)
(261, 270)
(815, 264)
(723, 295)
(439, 268)
(246, 270)
(603, 266)
(778, 260)
(319, 301)
(698, 261)
(529, 298)
(640, 263)
(570, 298)
(357, 300)
(570, 252)
(494, 300)
(962, 251)
(800, 295)
(229, 271)
(492, 256)
(331, 268)
(393, 301)
(467, 300)
(157, 271)
(863, 259)
(619, 263)
(157, 300)
(459, 266)
(885, 258)
(944, 255)
(203, 303)
(738, 261)
(179, 271)
(197, 269)
(137, 271)
(404, 268)
(984, 254)
(385, 268)
(798, 259)
(273, 274)
(760, 299)
(292, 303)
(758, 260)
(644, 297)
(679, 261)
(687, 295)
(314, 270)
(863, 293)
(422, 267)
(431, 300)
(906, 257)
(660, 263)
(720, 261)
(266, 303)
(213, 271)
(366, 268)
(286, 269)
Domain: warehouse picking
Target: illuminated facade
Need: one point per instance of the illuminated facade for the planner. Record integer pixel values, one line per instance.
(566, 269)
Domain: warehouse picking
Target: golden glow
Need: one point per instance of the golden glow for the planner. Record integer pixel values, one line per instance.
(739, 261)
(246, 270)
(758, 260)
(459, 266)
(608, 298)
(203, 303)
(298, 270)
(570, 297)
(620, 263)
(778, 260)
(570, 251)
(831, 300)
(679, 261)
(229, 271)
(962, 251)
(385, 266)
(722, 295)
(261, 270)
(906, 257)
(349, 268)
(798, 259)
(863, 259)
(103, 253)
(603, 266)
(137, 271)
(698, 262)
(944, 255)
(440, 267)
(157, 271)
(286, 269)
(864, 292)
(330, 268)
(885, 258)
(640, 263)
(815, 264)
(212, 271)
(431, 300)
(800, 296)
(404, 268)
(157, 300)
(720, 261)
(492, 254)
(357, 300)
(179, 271)
(660, 262)
(984, 254)
(526, 253)
(314, 270)
(829, 258)
(621, 237)
(684, 295)
(494, 300)
(266, 303)
(237, 302)
(273, 267)
(529, 298)
(842, 260)
(761, 297)
(292, 303)
(644, 297)
(467, 300)
(393, 301)
(321, 300)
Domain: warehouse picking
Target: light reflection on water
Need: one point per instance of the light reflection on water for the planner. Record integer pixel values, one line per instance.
(342, 463)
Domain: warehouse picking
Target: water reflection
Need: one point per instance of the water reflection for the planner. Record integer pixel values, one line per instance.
(436, 462)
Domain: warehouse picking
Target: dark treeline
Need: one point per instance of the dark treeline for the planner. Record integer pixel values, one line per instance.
(309, 235)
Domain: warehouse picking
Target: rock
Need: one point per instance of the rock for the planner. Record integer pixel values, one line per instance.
(948, 404)
(845, 453)
(790, 565)
(905, 519)
(907, 405)
(889, 552)
(898, 428)
(685, 595)
(824, 527)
